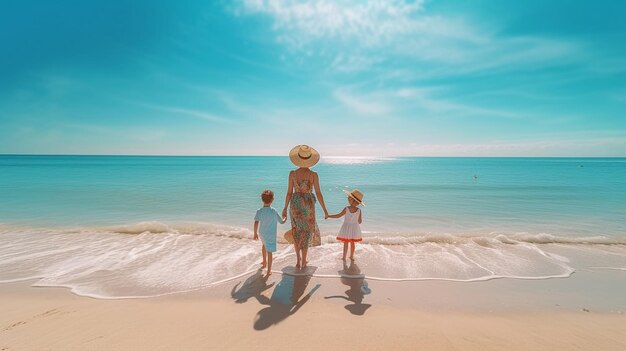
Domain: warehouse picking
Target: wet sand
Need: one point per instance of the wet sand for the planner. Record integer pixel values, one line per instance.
(285, 311)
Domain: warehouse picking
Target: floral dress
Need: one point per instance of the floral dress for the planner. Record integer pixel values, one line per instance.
(302, 213)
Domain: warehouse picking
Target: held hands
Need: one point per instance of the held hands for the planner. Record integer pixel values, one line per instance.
(326, 215)
(285, 213)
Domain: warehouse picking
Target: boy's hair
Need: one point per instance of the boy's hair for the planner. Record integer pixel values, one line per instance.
(267, 196)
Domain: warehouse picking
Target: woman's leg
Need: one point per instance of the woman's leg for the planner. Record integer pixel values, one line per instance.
(295, 247)
(304, 252)
(352, 250)
(345, 250)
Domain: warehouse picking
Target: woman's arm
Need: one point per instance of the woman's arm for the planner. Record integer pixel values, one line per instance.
(289, 193)
(280, 219)
(318, 193)
(338, 215)
(360, 216)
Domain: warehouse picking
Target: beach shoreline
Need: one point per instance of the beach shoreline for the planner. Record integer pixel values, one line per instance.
(288, 311)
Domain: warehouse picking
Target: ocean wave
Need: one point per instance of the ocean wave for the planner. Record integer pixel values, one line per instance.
(156, 258)
(610, 268)
(110, 265)
(374, 238)
(554, 239)
(144, 227)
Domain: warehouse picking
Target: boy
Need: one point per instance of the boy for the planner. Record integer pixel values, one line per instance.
(265, 224)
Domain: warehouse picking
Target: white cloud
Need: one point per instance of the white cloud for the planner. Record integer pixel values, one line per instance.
(367, 21)
(407, 101)
(410, 92)
(360, 105)
(346, 63)
(143, 134)
(192, 113)
(358, 35)
(443, 105)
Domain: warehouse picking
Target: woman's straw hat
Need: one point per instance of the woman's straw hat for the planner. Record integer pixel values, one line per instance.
(304, 156)
(356, 195)
(289, 236)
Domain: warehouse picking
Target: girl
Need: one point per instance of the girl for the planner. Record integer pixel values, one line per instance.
(350, 231)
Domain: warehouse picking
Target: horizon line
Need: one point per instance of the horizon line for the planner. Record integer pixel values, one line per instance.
(262, 155)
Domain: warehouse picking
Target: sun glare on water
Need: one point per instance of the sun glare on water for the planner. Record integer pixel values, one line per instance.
(354, 160)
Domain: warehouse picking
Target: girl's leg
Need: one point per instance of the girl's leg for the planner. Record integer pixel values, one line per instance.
(345, 250)
(269, 263)
(352, 250)
(264, 252)
(295, 247)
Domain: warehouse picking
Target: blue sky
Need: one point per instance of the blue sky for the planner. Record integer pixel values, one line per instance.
(369, 78)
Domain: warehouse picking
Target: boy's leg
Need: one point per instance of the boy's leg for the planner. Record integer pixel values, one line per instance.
(345, 250)
(352, 250)
(269, 263)
(264, 256)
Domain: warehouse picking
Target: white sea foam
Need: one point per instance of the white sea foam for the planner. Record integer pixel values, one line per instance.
(610, 268)
(375, 238)
(155, 258)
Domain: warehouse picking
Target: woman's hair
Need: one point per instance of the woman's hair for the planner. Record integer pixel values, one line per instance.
(267, 196)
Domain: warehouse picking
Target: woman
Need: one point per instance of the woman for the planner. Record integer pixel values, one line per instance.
(301, 201)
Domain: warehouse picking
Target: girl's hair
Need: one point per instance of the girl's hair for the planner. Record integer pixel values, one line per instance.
(267, 196)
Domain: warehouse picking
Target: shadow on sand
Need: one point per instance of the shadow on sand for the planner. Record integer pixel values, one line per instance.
(287, 298)
(254, 286)
(352, 277)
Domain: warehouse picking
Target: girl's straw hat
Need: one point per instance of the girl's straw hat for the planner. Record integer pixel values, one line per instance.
(304, 156)
(356, 195)
(289, 236)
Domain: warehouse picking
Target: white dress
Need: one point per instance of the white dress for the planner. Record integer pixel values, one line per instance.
(350, 229)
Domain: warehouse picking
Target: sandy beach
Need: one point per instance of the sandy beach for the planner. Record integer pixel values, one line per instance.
(416, 175)
(253, 313)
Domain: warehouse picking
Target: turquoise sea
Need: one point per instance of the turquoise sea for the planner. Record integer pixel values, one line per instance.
(128, 226)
